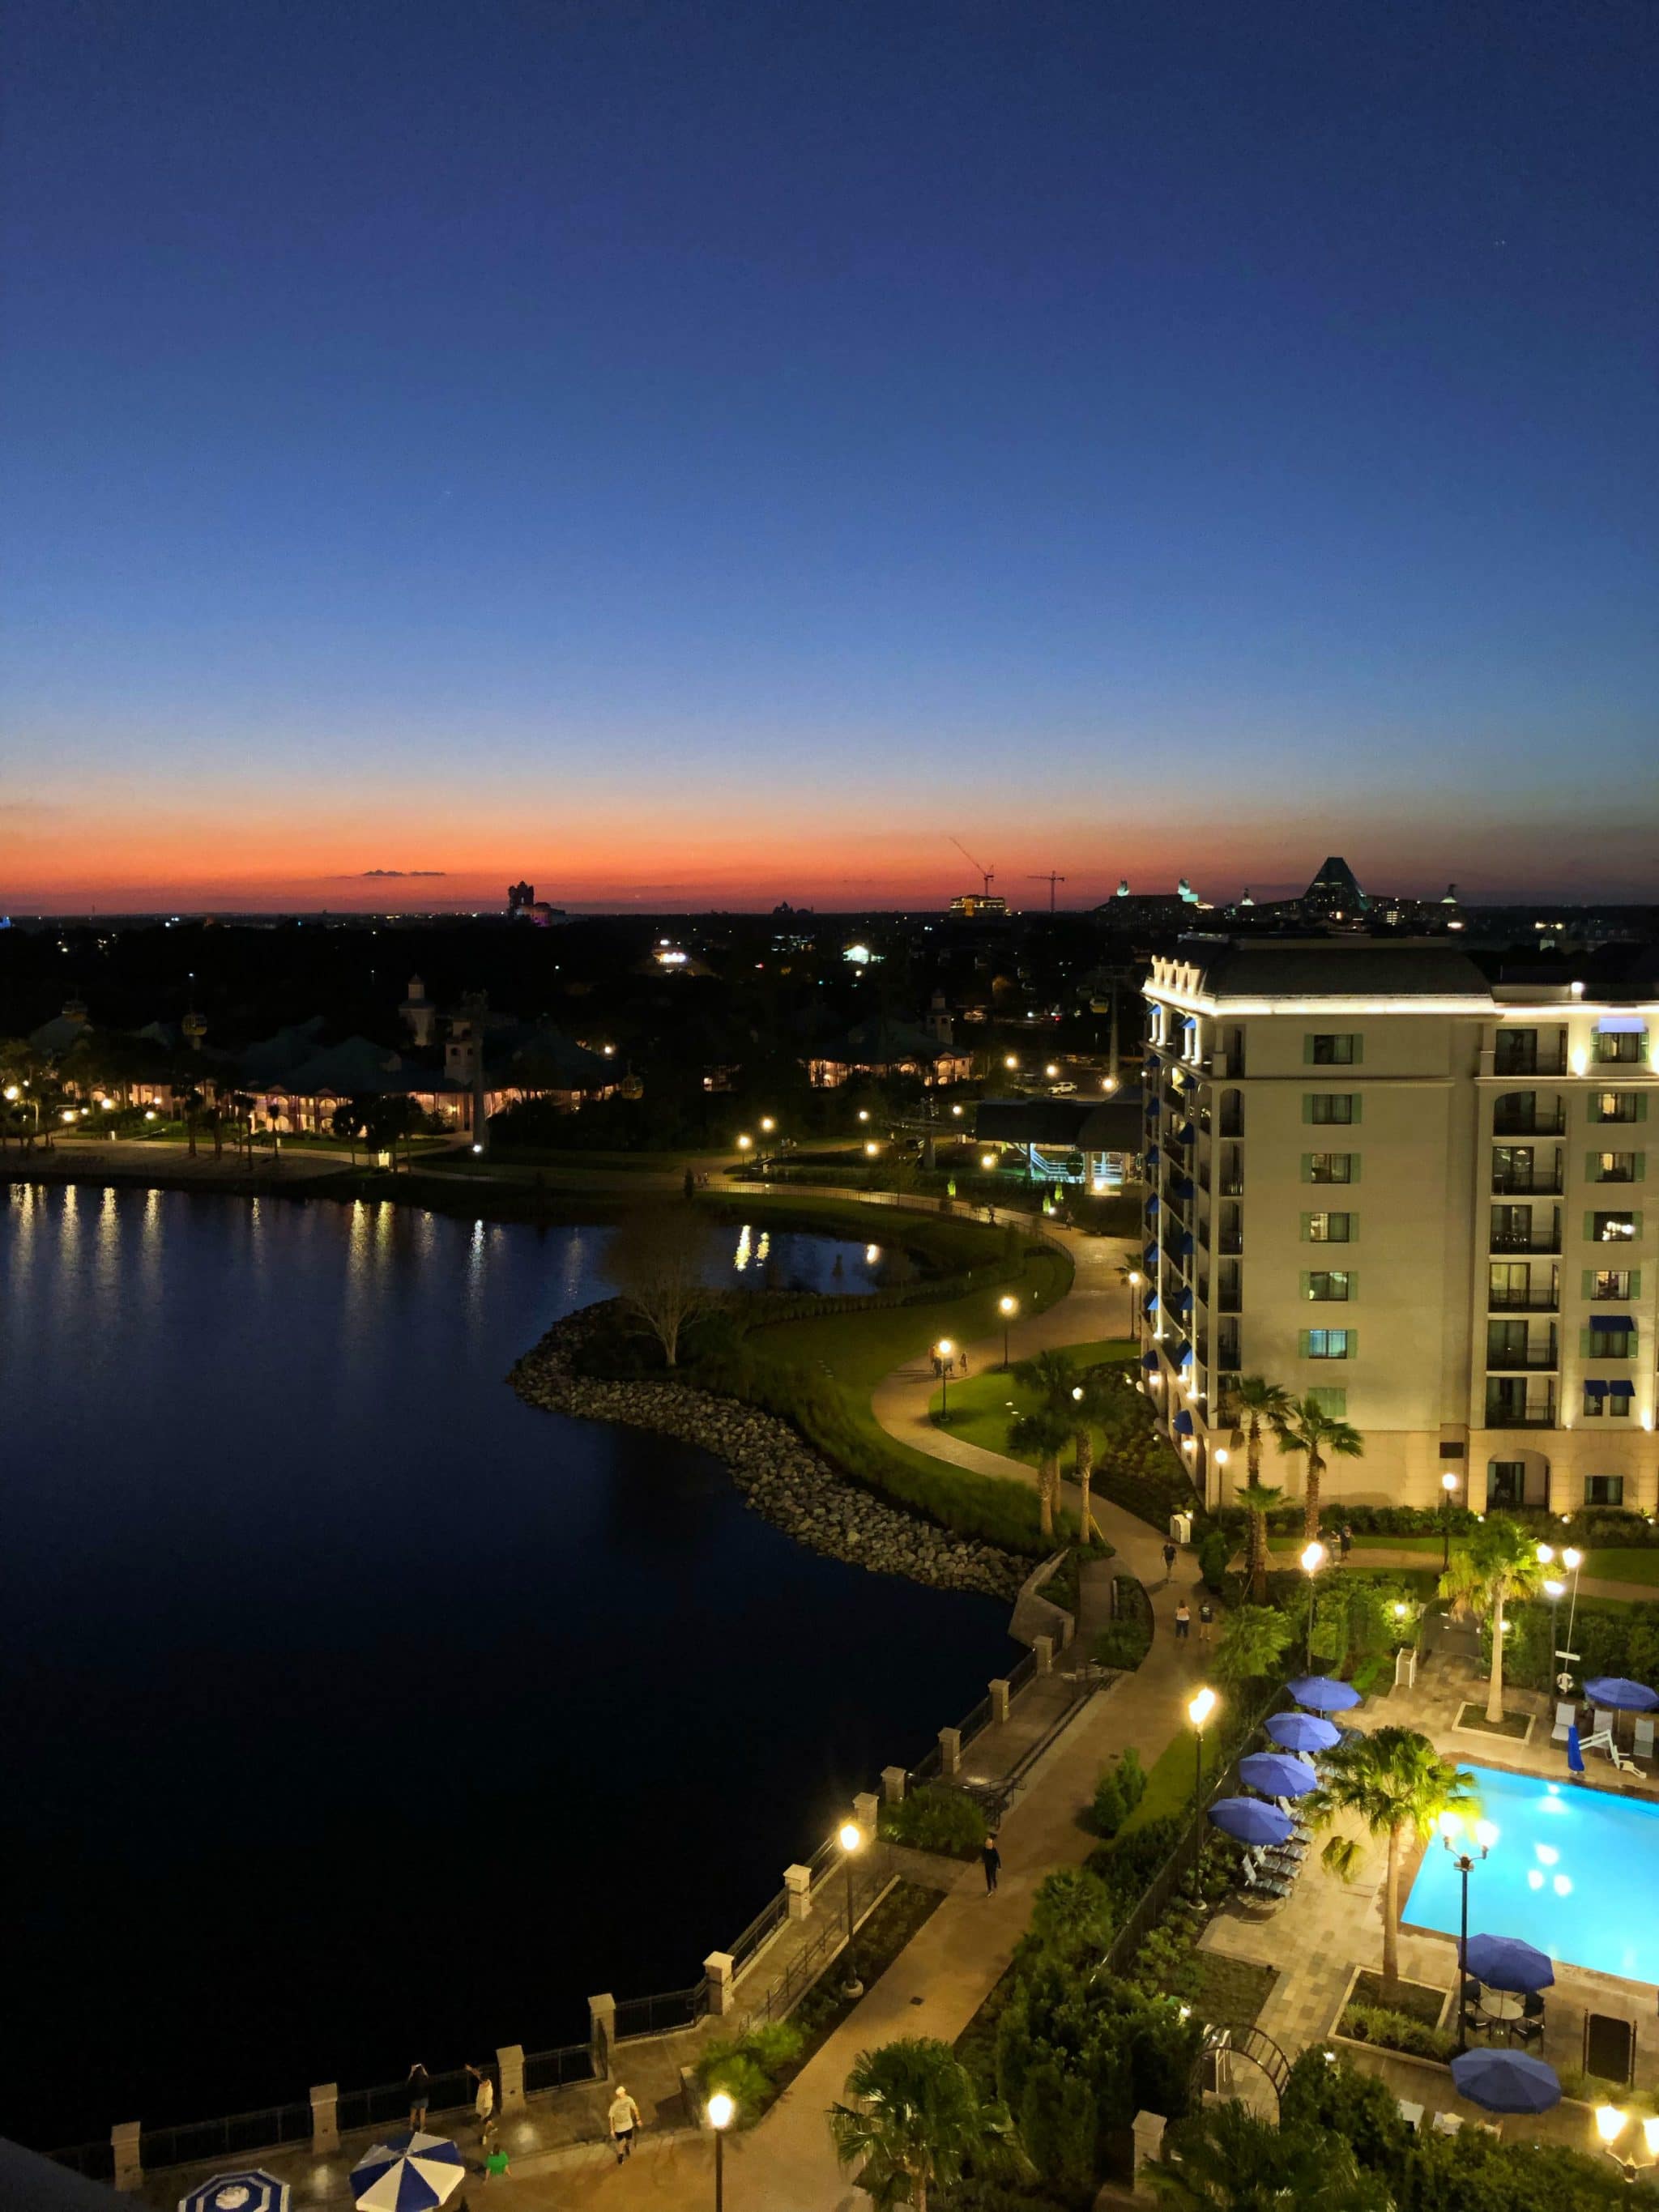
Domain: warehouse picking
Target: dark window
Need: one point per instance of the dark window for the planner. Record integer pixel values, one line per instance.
(1506, 1482)
(1330, 1106)
(1329, 1284)
(1623, 1047)
(1604, 1490)
(1330, 1166)
(1332, 1051)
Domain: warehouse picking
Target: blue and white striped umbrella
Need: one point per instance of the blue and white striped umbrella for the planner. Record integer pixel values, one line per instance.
(254, 2190)
(407, 2172)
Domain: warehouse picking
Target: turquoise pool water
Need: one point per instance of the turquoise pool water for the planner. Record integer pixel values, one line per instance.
(1574, 1871)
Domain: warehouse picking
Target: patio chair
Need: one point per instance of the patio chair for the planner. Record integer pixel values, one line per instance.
(1532, 2005)
(1565, 1715)
(1477, 2023)
(1526, 2030)
(1642, 1744)
(1447, 2124)
(1411, 2115)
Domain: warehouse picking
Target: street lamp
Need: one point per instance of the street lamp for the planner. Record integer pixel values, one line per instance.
(722, 2111)
(944, 1353)
(1448, 1484)
(1313, 1558)
(1131, 1284)
(1555, 1590)
(850, 1837)
(1610, 2123)
(1452, 1840)
(1007, 1307)
(1200, 1706)
(745, 1144)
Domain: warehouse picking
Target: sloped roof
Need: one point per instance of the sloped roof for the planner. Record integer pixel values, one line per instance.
(878, 1041)
(548, 1050)
(354, 1068)
(58, 1034)
(289, 1048)
(1336, 967)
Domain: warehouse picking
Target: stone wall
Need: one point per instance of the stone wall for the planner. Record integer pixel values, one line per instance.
(779, 1475)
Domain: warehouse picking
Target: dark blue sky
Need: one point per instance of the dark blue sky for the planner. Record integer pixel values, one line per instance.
(693, 453)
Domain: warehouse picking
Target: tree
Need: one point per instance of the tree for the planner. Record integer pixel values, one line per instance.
(1252, 1643)
(1498, 1562)
(747, 2066)
(1265, 1404)
(1258, 1499)
(1304, 1426)
(1397, 1784)
(915, 2118)
(655, 1263)
(1094, 1399)
(1051, 1377)
(1223, 2159)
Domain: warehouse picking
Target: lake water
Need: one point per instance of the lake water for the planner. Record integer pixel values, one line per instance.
(358, 1712)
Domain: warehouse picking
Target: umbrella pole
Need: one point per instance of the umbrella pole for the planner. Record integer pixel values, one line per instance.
(1463, 1868)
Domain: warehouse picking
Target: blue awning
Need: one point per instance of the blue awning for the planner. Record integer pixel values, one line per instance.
(1183, 1424)
(1149, 1257)
(1595, 1389)
(1153, 1155)
(1150, 1060)
(1183, 1187)
(1149, 1361)
(1622, 1389)
(1184, 1244)
(1184, 1303)
(1152, 1203)
(1618, 1322)
(1184, 1357)
(1149, 1303)
(1184, 1134)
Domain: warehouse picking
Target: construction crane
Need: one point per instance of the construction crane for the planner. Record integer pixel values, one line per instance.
(1051, 879)
(989, 874)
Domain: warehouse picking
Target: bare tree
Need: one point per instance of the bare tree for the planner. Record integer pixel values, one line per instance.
(656, 1265)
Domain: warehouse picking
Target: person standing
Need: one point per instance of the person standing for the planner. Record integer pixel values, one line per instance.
(623, 2118)
(991, 1858)
(1183, 1622)
(1206, 1621)
(485, 2103)
(420, 2096)
(1345, 1541)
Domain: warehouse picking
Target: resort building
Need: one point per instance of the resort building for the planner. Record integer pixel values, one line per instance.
(1375, 1175)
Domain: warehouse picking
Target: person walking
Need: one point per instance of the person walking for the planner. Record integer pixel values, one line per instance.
(420, 2096)
(991, 1858)
(962, 1361)
(1345, 1541)
(623, 2118)
(1206, 1621)
(1183, 1622)
(1169, 1558)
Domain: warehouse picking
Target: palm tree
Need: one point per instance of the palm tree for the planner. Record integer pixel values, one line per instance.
(1258, 1499)
(915, 2118)
(1252, 1644)
(1265, 1403)
(1042, 1434)
(1305, 1426)
(1223, 2159)
(1396, 1782)
(1499, 1561)
(1094, 1396)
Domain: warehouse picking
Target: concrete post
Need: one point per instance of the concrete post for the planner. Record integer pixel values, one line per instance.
(1149, 2143)
(602, 2032)
(129, 2166)
(865, 1806)
(509, 2068)
(893, 1779)
(950, 1751)
(722, 1981)
(1043, 1646)
(999, 1701)
(326, 2117)
(797, 1889)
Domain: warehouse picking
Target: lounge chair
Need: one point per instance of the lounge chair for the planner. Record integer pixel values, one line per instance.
(1642, 1746)
(1447, 2124)
(1565, 1715)
(1411, 2115)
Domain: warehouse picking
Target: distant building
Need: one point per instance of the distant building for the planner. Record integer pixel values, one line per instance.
(1335, 894)
(978, 906)
(523, 905)
(878, 1047)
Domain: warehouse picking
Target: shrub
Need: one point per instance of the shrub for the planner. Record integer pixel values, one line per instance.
(1213, 1554)
(936, 1819)
(1397, 2031)
(1131, 1777)
(748, 2066)
(1333, 2093)
(1107, 1811)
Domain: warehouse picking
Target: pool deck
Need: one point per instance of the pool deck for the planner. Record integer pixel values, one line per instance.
(1326, 1930)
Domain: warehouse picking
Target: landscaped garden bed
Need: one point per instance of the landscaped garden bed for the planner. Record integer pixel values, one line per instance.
(1516, 1727)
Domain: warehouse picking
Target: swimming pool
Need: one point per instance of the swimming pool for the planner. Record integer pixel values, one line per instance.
(1574, 1871)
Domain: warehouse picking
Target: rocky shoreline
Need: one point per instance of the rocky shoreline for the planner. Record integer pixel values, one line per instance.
(779, 1475)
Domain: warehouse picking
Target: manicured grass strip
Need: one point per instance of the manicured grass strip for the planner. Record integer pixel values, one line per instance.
(1173, 1778)
(981, 1406)
(1639, 1564)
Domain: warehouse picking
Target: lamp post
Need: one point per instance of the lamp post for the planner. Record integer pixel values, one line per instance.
(1452, 1840)
(1610, 2123)
(1007, 1307)
(1200, 1706)
(1448, 1484)
(721, 2111)
(850, 1837)
(1313, 1558)
(1555, 1590)
(1131, 1283)
(944, 1353)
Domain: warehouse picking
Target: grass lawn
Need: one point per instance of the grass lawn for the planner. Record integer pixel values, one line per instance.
(1232, 1991)
(980, 1404)
(1173, 1780)
(1615, 1565)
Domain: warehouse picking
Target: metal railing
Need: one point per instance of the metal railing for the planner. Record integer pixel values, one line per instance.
(235, 2137)
(761, 1929)
(663, 2014)
(96, 2160)
(557, 2070)
(451, 2091)
(870, 1885)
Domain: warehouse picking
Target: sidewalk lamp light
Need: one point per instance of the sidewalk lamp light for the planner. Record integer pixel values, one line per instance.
(870, 1148)
(1011, 1062)
(864, 1112)
(850, 1837)
(768, 1124)
(722, 2111)
(1453, 1841)
(1007, 1307)
(1313, 1558)
(1447, 1485)
(944, 1353)
(986, 1161)
(1200, 1706)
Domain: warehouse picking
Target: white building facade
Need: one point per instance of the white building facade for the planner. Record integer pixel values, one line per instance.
(1374, 1175)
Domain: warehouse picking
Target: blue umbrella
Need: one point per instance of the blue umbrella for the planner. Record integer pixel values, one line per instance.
(1506, 2081)
(1575, 1750)
(1277, 1774)
(407, 2172)
(1324, 1695)
(1251, 1820)
(1628, 1697)
(1303, 1732)
(1504, 1962)
(253, 2189)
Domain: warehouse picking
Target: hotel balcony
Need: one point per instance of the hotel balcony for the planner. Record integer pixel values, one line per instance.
(1542, 1183)
(1512, 1120)
(1515, 1408)
(1533, 1301)
(1533, 1240)
(1523, 1359)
